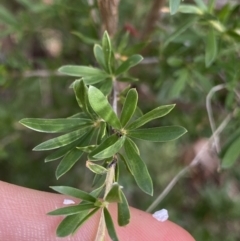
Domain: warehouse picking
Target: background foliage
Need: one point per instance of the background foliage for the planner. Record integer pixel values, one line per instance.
(186, 56)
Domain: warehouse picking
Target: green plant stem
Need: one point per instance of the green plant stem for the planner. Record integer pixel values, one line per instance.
(110, 174)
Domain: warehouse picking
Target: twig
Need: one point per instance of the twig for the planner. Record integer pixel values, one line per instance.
(210, 113)
(193, 163)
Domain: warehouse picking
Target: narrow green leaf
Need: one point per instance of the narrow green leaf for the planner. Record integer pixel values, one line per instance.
(114, 194)
(95, 168)
(71, 223)
(68, 225)
(105, 86)
(191, 9)
(107, 51)
(84, 38)
(129, 63)
(111, 140)
(102, 107)
(138, 168)
(127, 79)
(232, 154)
(73, 156)
(81, 71)
(61, 140)
(122, 158)
(84, 219)
(111, 150)
(101, 132)
(81, 93)
(110, 226)
(99, 56)
(70, 210)
(86, 149)
(91, 80)
(174, 5)
(158, 134)
(201, 4)
(62, 151)
(123, 211)
(129, 106)
(7, 17)
(189, 22)
(55, 125)
(68, 161)
(151, 115)
(74, 192)
(211, 48)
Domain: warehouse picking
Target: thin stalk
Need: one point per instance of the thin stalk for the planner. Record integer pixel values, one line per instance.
(110, 174)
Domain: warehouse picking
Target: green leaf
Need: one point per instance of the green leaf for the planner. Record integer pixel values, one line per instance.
(211, 48)
(72, 209)
(151, 115)
(110, 226)
(61, 140)
(107, 51)
(82, 71)
(106, 86)
(95, 168)
(138, 168)
(7, 17)
(55, 125)
(122, 158)
(84, 38)
(107, 148)
(99, 56)
(110, 150)
(91, 80)
(201, 4)
(129, 106)
(232, 154)
(123, 211)
(191, 9)
(174, 5)
(84, 219)
(68, 225)
(62, 151)
(102, 107)
(127, 79)
(101, 132)
(129, 63)
(189, 22)
(71, 223)
(68, 161)
(114, 194)
(158, 134)
(74, 192)
(81, 93)
(73, 156)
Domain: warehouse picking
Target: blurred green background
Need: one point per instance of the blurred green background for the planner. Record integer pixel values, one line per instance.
(186, 55)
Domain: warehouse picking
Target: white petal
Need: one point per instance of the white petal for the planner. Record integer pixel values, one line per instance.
(68, 201)
(161, 215)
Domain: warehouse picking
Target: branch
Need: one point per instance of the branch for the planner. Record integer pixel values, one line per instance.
(152, 18)
(109, 14)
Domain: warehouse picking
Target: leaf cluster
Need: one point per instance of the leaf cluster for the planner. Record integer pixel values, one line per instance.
(104, 137)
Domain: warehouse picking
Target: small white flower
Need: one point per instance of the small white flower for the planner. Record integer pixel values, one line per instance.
(68, 201)
(161, 215)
